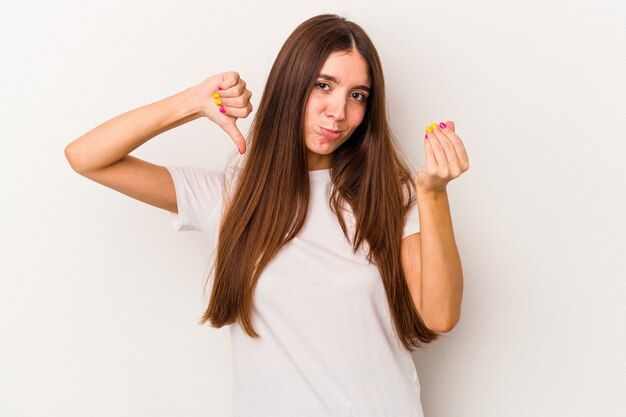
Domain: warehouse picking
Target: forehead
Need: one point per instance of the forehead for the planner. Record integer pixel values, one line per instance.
(346, 68)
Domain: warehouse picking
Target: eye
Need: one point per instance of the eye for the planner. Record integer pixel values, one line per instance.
(362, 97)
(321, 84)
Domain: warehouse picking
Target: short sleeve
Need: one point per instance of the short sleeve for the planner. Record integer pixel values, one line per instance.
(199, 197)
(412, 220)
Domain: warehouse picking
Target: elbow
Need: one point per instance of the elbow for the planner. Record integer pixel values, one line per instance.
(441, 328)
(445, 328)
(443, 325)
(70, 158)
(437, 328)
(68, 154)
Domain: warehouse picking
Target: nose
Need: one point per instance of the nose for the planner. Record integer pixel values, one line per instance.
(336, 107)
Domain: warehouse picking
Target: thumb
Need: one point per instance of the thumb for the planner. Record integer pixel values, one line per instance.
(236, 136)
(229, 79)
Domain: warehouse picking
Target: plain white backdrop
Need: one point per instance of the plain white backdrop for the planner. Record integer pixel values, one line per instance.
(100, 298)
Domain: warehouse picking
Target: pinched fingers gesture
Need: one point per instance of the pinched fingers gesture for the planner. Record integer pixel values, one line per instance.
(446, 158)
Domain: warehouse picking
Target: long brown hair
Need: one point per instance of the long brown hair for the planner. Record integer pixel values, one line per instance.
(269, 203)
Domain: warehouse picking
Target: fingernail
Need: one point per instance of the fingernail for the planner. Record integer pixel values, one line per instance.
(215, 95)
(428, 129)
(442, 125)
(218, 101)
(425, 136)
(219, 88)
(222, 109)
(434, 126)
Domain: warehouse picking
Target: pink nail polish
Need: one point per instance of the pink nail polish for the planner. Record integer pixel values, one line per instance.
(425, 136)
(219, 88)
(222, 109)
(442, 125)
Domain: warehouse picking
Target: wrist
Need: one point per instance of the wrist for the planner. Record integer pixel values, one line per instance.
(190, 104)
(429, 193)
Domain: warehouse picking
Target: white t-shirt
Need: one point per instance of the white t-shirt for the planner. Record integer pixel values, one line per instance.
(327, 345)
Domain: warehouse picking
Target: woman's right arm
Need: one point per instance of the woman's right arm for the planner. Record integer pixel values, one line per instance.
(102, 154)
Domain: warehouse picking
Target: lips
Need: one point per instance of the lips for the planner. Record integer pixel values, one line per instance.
(330, 133)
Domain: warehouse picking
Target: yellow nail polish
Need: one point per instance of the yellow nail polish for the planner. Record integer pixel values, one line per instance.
(218, 102)
(429, 130)
(215, 95)
(434, 126)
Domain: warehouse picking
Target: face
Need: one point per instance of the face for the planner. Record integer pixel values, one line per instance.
(335, 107)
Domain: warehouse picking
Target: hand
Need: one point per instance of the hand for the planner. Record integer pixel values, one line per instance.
(446, 159)
(235, 99)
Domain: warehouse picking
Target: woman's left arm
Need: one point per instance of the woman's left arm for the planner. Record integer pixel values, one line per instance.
(430, 259)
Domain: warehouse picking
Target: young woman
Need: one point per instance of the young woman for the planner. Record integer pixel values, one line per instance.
(332, 263)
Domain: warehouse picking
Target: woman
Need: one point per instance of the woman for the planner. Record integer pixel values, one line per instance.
(318, 232)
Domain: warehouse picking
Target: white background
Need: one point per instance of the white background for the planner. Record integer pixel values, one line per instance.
(99, 297)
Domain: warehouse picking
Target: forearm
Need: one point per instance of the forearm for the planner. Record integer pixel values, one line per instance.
(441, 271)
(117, 137)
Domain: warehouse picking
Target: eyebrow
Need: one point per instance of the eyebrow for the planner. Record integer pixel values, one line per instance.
(334, 79)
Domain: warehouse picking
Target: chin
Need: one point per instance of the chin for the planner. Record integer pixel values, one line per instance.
(321, 146)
